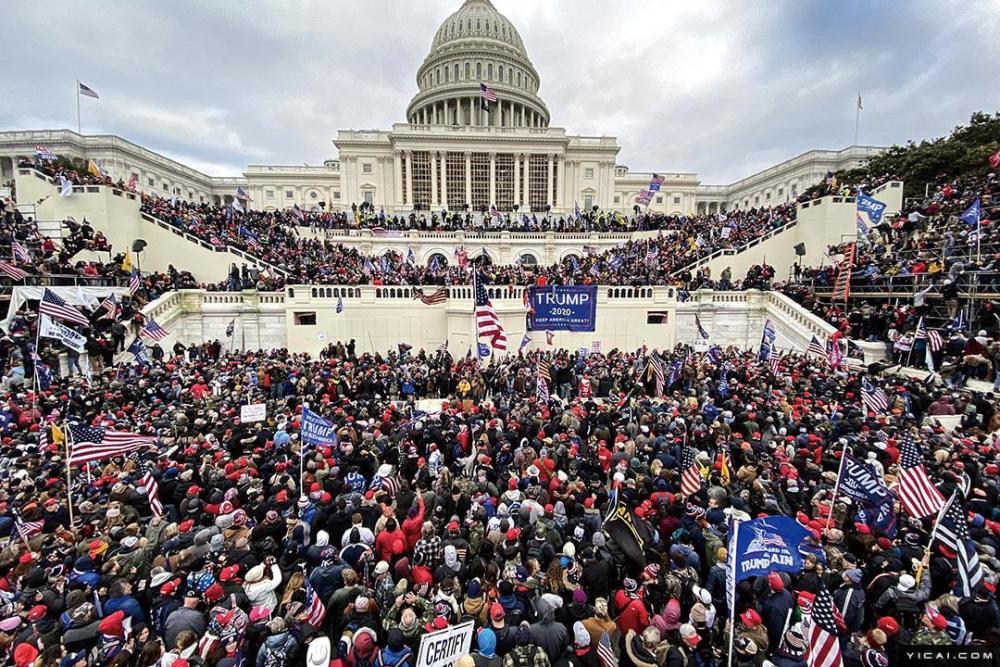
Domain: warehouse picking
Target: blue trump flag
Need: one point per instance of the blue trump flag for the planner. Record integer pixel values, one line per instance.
(861, 483)
(873, 207)
(316, 430)
(765, 545)
(971, 215)
(483, 350)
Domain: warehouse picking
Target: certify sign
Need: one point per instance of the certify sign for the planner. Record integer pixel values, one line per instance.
(563, 308)
(444, 647)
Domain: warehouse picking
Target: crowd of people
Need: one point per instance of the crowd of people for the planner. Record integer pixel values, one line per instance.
(491, 506)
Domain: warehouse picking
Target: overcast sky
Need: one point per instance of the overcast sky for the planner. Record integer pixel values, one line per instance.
(720, 88)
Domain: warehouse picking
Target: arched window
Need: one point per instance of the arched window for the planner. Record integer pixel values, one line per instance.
(501, 73)
(442, 261)
(510, 76)
(489, 71)
(518, 78)
(455, 70)
(446, 75)
(479, 70)
(527, 259)
(439, 75)
(468, 70)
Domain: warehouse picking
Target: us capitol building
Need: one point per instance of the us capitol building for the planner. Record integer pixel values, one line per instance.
(451, 152)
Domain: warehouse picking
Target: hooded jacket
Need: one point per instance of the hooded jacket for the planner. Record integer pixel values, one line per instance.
(550, 636)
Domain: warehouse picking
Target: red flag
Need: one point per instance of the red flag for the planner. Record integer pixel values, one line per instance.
(995, 159)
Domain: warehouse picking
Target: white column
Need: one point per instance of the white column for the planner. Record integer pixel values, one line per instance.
(444, 180)
(409, 180)
(524, 116)
(397, 184)
(548, 188)
(560, 182)
(473, 117)
(434, 180)
(493, 178)
(468, 178)
(517, 178)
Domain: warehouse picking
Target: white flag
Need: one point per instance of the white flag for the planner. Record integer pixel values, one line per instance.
(62, 333)
(65, 186)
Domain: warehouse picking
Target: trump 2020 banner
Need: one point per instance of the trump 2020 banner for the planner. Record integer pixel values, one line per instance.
(562, 308)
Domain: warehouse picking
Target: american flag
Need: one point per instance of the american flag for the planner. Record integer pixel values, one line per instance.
(873, 398)
(934, 340)
(12, 271)
(21, 253)
(251, 239)
(241, 194)
(443, 347)
(53, 306)
(28, 529)
(87, 91)
(834, 357)
(461, 256)
(820, 628)
(487, 93)
(487, 323)
(816, 347)
(440, 295)
(545, 369)
(656, 368)
(605, 653)
(43, 152)
(690, 474)
(652, 252)
(317, 610)
(774, 362)
(919, 496)
(152, 492)
(109, 307)
(953, 532)
(701, 329)
(541, 388)
(94, 444)
(134, 283)
(862, 227)
(153, 330)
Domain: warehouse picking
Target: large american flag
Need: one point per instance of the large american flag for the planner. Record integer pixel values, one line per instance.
(545, 369)
(920, 498)
(873, 398)
(487, 323)
(691, 474)
(487, 93)
(94, 444)
(134, 282)
(153, 330)
(953, 532)
(53, 306)
(605, 652)
(152, 492)
(820, 626)
(317, 610)
(440, 295)
(934, 340)
(12, 271)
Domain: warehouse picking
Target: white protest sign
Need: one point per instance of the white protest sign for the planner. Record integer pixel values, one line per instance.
(444, 647)
(253, 413)
(71, 339)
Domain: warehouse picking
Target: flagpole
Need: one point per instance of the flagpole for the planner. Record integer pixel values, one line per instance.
(857, 118)
(733, 543)
(836, 487)
(913, 341)
(67, 434)
(78, 131)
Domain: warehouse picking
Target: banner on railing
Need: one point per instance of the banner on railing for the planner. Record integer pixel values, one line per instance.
(562, 308)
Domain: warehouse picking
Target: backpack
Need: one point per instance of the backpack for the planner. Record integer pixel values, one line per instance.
(274, 658)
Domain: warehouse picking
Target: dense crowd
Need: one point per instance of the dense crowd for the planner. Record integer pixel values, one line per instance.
(489, 505)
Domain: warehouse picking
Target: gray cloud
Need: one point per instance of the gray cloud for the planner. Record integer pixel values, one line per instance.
(723, 89)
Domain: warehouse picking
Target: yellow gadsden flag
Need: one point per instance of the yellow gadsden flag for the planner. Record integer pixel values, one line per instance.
(127, 263)
(57, 435)
(93, 169)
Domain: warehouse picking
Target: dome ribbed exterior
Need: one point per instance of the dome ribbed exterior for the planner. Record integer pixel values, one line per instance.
(477, 45)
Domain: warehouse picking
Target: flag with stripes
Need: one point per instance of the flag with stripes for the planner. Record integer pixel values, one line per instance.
(94, 444)
(820, 629)
(440, 295)
(934, 340)
(28, 529)
(21, 253)
(487, 323)
(655, 369)
(443, 347)
(153, 331)
(862, 226)
(87, 91)
(12, 271)
(953, 532)
(834, 357)
(545, 369)
(108, 308)
(919, 496)
(816, 347)
(231, 328)
(44, 153)
(873, 398)
(134, 283)
(701, 329)
(775, 362)
(690, 473)
(241, 194)
(54, 306)
(487, 93)
(524, 342)
(317, 610)
(605, 653)
(541, 388)
(152, 493)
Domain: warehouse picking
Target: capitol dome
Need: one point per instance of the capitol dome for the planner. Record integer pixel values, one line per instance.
(477, 45)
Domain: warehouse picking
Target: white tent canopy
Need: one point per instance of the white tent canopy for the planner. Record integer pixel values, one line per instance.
(78, 295)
